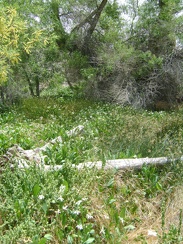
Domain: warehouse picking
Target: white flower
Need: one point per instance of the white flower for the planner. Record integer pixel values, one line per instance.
(122, 220)
(65, 207)
(89, 216)
(41, 197)
(106, 216)
(152, 233)
(77, 212)
(58, 211)
(102, 231)
(79, 227)
(84, 199)
(62, 188)
(78, 202)
(60, 199)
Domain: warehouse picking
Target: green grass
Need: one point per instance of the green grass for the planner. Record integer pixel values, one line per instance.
(91, 206)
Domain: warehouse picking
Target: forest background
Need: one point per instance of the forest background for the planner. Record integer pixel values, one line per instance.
(128, 53)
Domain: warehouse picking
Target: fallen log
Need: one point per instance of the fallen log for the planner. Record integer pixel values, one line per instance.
(119, 164)
(27, 158)
(134, 163)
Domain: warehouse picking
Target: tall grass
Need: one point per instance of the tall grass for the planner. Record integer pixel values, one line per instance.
(90, 206)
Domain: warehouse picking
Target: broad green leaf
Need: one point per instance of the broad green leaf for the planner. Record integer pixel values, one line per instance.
(90, 240)
(36, 190)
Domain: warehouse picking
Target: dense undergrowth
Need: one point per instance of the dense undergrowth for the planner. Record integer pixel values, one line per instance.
(90, 206)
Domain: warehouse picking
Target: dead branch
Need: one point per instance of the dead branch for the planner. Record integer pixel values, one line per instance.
(36, 155)
(126, 163)
(28, 158)
(119, 164)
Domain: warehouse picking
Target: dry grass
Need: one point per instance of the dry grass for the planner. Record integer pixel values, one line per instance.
(149, 211)
(153, 218)
(174, 206)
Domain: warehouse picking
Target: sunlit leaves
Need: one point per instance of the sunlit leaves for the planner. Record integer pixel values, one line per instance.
(14, 40)
(11, 28)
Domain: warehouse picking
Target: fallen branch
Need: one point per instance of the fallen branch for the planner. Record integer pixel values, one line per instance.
(119, 164)
(127, 163)
(26, 158)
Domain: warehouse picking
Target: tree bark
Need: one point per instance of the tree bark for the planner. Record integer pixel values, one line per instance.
(121, 164)
(25, 158)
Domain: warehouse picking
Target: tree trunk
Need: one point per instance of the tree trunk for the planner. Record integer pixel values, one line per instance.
(29, 83)
(37, 86)
(2, 94)
(92, 20)
(62, 35)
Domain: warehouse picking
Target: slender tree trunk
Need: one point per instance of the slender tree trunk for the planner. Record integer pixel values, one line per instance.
(29, 83)
(37, 86)
(88, 24)
(2, 94)
(92, 20)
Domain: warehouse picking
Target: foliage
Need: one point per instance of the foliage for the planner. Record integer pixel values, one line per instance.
(11, 29)
(13, 40)
(114, 52)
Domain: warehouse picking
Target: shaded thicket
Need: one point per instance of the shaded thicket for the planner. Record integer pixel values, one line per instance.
(147, 67)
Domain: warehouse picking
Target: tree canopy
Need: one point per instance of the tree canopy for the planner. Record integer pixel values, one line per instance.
(130, 53)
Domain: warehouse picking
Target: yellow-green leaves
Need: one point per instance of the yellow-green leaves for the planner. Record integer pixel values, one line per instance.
(35, 38)
(14, 39)
(11, 29)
